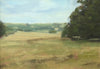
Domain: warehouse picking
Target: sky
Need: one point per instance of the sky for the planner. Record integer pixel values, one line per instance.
(36, 11)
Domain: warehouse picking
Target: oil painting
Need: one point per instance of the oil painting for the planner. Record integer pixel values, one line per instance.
(49, 34)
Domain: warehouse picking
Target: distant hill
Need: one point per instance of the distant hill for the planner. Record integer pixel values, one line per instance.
(45, 27)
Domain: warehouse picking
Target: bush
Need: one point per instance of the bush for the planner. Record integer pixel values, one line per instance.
(52, 31)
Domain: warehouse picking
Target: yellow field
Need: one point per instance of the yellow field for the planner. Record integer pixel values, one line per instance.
(32, 50)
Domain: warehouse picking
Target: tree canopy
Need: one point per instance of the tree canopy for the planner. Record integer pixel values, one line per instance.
(85, 20)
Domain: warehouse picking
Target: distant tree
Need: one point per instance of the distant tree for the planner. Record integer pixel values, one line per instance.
(2, 29)
(52, 31)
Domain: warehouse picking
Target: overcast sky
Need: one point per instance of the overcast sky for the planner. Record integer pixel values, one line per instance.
(36, 11)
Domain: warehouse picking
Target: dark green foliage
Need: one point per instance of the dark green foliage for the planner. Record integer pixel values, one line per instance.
(52, 31)
(85, 20)
(2, 29)
(9, 31)
(65, 31)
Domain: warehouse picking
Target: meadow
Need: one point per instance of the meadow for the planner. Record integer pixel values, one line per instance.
(33, 50)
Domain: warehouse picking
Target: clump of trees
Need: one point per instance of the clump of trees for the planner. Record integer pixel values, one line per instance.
(84, 21)
(2, 29)
(52, 31)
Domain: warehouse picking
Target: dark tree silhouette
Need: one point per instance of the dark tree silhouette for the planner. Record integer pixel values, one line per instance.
(2, 29)
(85, 20)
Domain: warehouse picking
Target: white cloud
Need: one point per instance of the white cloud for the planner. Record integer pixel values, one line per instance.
(47, 4)
(9, 6)
(35, 17)
(44, 5)
(35, 11)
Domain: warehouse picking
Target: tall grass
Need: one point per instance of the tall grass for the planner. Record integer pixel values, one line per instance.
(24, 50)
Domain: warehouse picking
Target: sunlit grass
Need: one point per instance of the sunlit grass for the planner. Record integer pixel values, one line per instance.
(32, 50)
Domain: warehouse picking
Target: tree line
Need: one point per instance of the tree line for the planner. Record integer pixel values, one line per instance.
(11, 28)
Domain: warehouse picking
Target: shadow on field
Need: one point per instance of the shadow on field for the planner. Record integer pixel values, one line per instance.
(2, 66)
(54, 58)
(94, 40)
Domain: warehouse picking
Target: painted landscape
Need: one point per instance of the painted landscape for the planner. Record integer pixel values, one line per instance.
(49, 34)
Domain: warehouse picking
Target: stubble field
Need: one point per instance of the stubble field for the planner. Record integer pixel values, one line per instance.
(32, 50)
